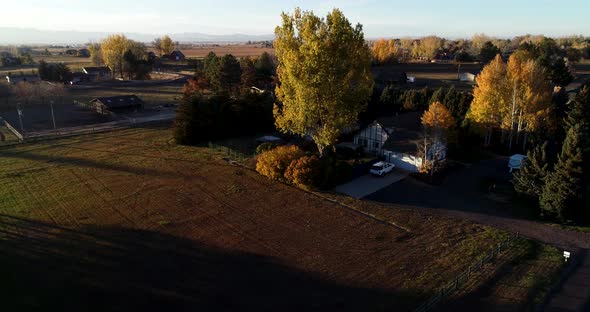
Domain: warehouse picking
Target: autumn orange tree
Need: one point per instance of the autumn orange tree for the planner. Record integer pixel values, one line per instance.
(437, 122)
(385, 51)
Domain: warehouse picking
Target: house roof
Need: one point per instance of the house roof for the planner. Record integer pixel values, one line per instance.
(405, 132)
(177, 53)
(119, 101)
(102, 69)
(409, 121)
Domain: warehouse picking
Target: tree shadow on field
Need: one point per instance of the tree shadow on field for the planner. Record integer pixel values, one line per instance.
(81, 162)
(49, 268)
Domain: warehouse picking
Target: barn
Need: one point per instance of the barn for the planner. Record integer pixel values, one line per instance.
(106, 105)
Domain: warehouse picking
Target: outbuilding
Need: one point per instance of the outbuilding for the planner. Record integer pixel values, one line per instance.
(106, 105)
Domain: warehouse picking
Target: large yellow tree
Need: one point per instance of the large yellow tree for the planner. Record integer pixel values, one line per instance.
(324, 72)
(113, 50)
(489, 105)
(385, 51)
(513, 97)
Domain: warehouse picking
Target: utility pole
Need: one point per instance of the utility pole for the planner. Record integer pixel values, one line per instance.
(52, 114)
(20, 118)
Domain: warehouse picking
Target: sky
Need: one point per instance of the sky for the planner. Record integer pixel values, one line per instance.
(380, 18)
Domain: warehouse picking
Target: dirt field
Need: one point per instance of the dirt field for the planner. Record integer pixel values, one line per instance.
(140, 223)
(237, 50)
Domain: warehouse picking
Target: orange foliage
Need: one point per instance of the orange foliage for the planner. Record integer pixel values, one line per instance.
(273, 163)
(304, 172)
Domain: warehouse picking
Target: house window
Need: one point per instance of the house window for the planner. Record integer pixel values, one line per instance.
(376, 145)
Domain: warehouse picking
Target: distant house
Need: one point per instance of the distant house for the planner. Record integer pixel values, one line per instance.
(151, 56)
(14, 79)
(467, 77)
(396, 139)
(83, 53)
(79, 77)
(105, 105)
(176, 56)
(97, 73)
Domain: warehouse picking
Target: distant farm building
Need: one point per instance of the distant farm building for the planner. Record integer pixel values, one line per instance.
(177, 56)
(106, 105)
(467, 77)
(83, 53)
(97, 73)
(79, 77)
(14, 79)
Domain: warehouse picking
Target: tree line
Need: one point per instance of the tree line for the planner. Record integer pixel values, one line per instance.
(480, 47)
(219, 103)
(559, 184)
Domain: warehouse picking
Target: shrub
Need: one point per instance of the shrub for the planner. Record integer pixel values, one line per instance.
(304, 172)
(274, 163)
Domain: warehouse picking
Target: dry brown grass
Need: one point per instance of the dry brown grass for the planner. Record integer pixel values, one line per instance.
(138, 180)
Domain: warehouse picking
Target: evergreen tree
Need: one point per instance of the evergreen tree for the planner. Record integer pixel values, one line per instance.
(560, 74)
(564, 186)
(437, 96)
(530, 180)
(579, 115)
(230, 74)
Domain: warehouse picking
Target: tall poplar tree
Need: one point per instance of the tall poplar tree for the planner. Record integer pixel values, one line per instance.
(324, 75)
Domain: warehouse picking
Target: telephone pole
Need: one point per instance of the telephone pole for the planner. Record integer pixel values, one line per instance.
(52, 114)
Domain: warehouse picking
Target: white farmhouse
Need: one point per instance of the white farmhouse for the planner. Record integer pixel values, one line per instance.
(396, 139)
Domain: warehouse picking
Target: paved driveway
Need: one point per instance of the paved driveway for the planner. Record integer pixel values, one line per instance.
(369, 184)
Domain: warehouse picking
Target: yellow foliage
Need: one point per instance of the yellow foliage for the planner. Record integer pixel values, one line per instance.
(438, 117)
(303, 172)
(489, 100)
(273, 163)
(385, 51)
(324, 69)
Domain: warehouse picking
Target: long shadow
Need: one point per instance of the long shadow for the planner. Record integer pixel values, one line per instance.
(461, 191)
(82, 162)
(50, 268)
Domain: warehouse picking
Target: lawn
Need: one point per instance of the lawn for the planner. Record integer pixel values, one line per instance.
(128, 220)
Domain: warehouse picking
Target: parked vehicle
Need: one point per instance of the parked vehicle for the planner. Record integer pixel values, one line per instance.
(382, 168)
(516, 161)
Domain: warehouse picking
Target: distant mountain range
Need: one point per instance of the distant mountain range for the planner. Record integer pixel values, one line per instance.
(13, 36)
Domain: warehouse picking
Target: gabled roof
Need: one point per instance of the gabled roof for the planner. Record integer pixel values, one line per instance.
(119, 101)
(409, 121)
(96, 70)
(177, 53)
(405, 132)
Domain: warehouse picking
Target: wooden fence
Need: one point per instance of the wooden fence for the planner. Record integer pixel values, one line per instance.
(231, 153)
(14, 131)
(451, 287)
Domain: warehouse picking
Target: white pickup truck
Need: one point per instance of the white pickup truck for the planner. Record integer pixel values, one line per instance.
(382, 168)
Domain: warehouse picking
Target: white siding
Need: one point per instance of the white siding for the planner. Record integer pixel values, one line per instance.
(371, 138)
(404, 161)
